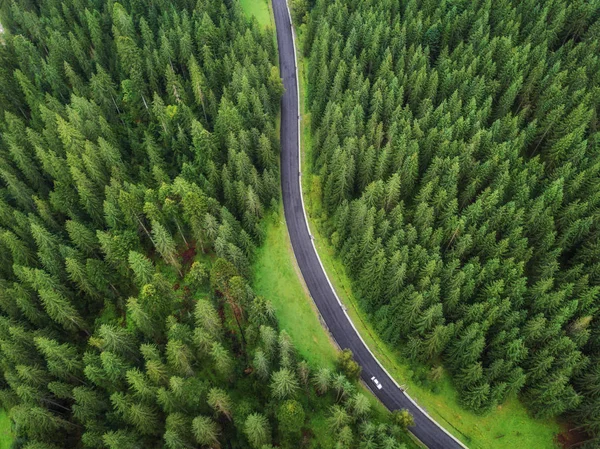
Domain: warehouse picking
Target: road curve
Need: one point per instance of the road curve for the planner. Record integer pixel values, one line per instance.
(322, 292)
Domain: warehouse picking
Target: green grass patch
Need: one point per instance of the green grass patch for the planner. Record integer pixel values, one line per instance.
(261, 9)
(276, 278)
(6, 435)
(509, 425)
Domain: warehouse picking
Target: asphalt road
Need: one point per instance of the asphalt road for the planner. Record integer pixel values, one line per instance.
(323, 294)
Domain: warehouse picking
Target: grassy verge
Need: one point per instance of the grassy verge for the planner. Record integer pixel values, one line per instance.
(277, 278)
(261, 9)
(509, 425)
(6, 435)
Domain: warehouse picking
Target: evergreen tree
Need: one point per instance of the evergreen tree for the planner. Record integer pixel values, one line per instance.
(257, 430)
(290, 416)
(205, 430)
(220, 402)
(283, 384)
(322, 380)
(452, 190)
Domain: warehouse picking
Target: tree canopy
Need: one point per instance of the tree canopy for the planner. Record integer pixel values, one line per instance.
(138, 156)
(455, 150)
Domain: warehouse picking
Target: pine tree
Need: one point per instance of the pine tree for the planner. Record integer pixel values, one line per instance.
(37, 422)
(177, 433)
(63, 360)
(283, 384)
(180, 358)
(121, 438)
(322, 380)
(257, 430)
(220, 402)
(261, 364)
(360, 405)
(338, 418)
(207, 318)
(222, 359)
(145, 419)
(165, 245)
(142, 268)
(205, 430)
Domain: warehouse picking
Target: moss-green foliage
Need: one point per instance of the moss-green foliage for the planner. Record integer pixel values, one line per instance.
(291, 416)
(347, 364)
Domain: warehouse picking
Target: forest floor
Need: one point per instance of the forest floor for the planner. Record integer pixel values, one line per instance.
(508, 425)
(6, 435)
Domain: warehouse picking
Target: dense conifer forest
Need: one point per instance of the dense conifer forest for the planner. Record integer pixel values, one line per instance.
(138, 154)
(457, 145)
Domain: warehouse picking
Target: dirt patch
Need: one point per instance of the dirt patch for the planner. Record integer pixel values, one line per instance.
(307, 436)
(570, 436)
(221, 312)
(188, 255)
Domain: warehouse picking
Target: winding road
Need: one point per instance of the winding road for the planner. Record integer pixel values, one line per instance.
(323, 294)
